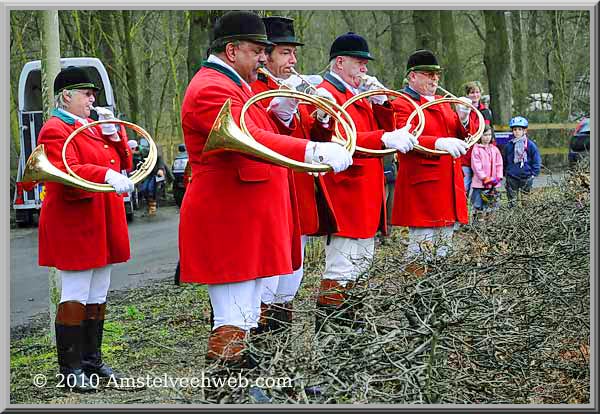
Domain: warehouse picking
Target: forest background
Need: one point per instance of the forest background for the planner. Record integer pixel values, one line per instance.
(521, 57)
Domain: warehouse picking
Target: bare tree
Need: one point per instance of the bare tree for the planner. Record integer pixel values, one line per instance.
(450, 59)
(50, 68)
(497, 62)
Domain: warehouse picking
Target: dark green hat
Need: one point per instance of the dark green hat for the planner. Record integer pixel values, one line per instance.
(239, 25)
(350, 44)
(422, 60)
(73, 77)
(280, 30)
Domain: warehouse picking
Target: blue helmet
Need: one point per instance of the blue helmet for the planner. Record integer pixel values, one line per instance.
(518, 121)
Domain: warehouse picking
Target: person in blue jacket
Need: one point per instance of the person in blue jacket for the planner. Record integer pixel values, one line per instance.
(522, 160)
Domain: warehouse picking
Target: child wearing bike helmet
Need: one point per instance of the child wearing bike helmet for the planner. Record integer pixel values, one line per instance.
(487, 165)
(522, 160)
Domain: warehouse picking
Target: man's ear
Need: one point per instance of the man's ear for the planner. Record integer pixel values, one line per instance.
(66, 95)
(230, 52)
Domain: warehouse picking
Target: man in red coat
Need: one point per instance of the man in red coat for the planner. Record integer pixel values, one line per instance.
(239, 218)
(358, 194)
(429, 197)
(83, 233)
(314, 205)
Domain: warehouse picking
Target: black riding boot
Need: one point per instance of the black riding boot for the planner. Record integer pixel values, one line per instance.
(69, 338)
(91, 355)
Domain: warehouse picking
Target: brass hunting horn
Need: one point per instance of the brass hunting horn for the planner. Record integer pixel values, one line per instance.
(39, 168)
(225, 135)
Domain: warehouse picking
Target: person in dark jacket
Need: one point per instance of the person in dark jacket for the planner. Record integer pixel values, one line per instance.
(522, 160)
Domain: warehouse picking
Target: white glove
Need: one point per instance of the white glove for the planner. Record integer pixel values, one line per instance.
(104, 114)
(292, 82)
(284, 108)
(120, 183)
(309, 84)
(331, 154)
(463, 111)
(323, 116)
(456, 147)
(371, 83)
(399, 139)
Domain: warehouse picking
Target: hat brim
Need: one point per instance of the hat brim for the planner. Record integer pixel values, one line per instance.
(426, 68)
(286, 40)
(80, 86)
(254, 38)
(353, 53)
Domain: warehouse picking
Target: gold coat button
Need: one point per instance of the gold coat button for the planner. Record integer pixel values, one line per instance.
(105, 145)
(112, 161)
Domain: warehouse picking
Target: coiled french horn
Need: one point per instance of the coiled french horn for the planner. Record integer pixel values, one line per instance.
(38, 168)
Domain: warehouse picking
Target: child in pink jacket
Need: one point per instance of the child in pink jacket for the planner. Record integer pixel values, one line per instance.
(486, 162)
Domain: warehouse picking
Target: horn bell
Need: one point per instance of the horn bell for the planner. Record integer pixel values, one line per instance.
(226, 135)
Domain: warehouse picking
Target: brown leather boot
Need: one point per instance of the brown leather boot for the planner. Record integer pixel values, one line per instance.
(69, 338)
(226, 345)
(332, 300)
(151, 208)
(264, 319)
(416, 269)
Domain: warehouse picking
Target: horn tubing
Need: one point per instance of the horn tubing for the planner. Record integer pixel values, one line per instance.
(139, 175)
(418, 111)
(471, 139)
(329, 107)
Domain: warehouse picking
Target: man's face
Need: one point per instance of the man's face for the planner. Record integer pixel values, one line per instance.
(246, 58)
(350, 69)
(281, 60)
(80, 102)
(425, 83)
(474, 95)
(518, 132)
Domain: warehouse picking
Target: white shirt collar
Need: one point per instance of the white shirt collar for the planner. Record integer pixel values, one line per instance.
(75, 117)
(218, 61)
(351, 88)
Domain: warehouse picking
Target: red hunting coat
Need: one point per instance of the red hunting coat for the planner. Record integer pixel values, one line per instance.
(80, 230)
(358, 194)
(239, 218)
(315, 208)
(430, 191)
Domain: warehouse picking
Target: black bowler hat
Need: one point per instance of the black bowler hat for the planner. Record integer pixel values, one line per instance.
(422, 60)
(350, 44)
(73, 77)
(280, 30)
(239, 25)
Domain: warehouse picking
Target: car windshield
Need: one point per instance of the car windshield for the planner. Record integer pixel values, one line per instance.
(583, 127)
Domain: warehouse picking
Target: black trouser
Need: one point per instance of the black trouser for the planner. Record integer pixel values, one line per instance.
(514, 186)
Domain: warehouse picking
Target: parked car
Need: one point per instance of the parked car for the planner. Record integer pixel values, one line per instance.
(580, 141)
(180, 179)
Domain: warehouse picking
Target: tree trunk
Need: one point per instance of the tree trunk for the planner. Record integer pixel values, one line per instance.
(401, 46)
(107, 49)
(559, 90)
(519, 67)
(50, 68)
(427, 33)
(130, 66)
(497, 63)
(453, 73)
(201, 23)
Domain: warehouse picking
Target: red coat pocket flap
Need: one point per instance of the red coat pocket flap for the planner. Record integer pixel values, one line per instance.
(255, 173)
(421, 178)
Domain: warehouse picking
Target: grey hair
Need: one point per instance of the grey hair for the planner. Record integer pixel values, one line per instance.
(59, 99)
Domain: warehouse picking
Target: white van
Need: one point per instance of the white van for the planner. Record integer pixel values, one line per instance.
(28, 203)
